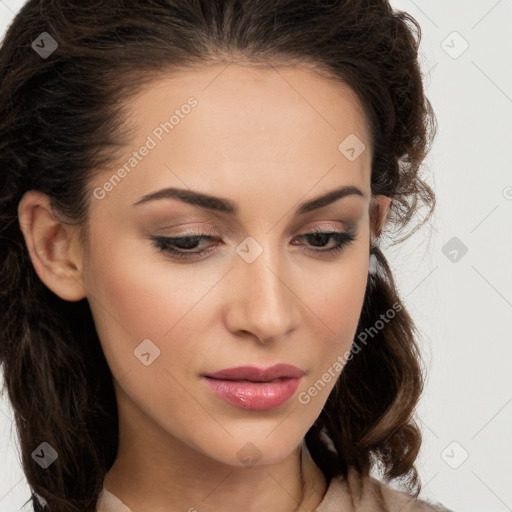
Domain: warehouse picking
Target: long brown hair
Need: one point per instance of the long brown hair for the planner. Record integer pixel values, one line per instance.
(61, 121)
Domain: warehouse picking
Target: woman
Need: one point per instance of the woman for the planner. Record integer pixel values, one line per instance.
(196, 314)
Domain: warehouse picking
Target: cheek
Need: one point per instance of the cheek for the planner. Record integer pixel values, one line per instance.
(132, 298)
(135, 295)
(336, 294)
(335, 298)
(336, 301)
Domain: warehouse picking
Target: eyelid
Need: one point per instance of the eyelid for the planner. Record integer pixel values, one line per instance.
(326, 225)
(178, 232)
(192, 232)
(343, 239)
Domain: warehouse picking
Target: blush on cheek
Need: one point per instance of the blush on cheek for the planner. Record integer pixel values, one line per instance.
(142, 304)
(339, 301)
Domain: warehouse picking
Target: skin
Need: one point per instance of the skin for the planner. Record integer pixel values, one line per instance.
(267, 140)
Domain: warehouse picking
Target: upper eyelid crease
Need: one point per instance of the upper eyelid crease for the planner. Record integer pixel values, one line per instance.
(227, 206)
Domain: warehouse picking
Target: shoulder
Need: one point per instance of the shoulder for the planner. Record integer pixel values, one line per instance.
(394, 498)
(109, 502)
(358, 493)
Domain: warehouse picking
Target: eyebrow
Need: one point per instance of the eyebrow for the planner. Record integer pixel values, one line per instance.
(224, 205)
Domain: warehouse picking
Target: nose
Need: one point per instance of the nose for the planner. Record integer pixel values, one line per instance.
(261, 301)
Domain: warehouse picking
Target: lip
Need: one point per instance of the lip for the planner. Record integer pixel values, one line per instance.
(255, 374)
(252, 388)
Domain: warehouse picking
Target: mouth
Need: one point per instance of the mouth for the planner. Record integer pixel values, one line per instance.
(256, 389)
(254, 374)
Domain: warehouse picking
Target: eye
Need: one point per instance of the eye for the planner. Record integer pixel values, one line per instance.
(190, 241)
(181, 247)
(319, 237)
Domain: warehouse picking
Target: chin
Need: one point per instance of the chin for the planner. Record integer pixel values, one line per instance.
(255, 450)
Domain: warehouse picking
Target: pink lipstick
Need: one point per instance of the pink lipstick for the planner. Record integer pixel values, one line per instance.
(257, 389)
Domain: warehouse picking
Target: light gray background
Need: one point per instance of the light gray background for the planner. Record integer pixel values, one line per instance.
(463, 308)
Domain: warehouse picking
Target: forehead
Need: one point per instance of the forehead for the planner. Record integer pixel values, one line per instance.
(247, 125)
(239, 96)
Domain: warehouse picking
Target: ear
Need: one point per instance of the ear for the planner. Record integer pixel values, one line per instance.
(53, 246)
(379, 214)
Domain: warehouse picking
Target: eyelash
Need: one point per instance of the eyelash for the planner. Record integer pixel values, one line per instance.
(164, 244)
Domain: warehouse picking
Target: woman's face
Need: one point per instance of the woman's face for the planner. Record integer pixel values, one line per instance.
(261, 291)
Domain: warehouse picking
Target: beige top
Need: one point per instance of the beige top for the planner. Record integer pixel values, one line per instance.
(353, 494)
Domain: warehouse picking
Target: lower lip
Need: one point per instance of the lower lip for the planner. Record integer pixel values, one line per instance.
(256, 396)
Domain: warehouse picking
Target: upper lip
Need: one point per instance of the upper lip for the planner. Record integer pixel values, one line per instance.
(254, 374)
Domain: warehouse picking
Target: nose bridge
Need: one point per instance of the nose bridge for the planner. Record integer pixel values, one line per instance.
(264, 304)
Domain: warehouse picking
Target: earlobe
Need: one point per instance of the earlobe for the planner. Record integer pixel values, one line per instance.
(52, 246)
